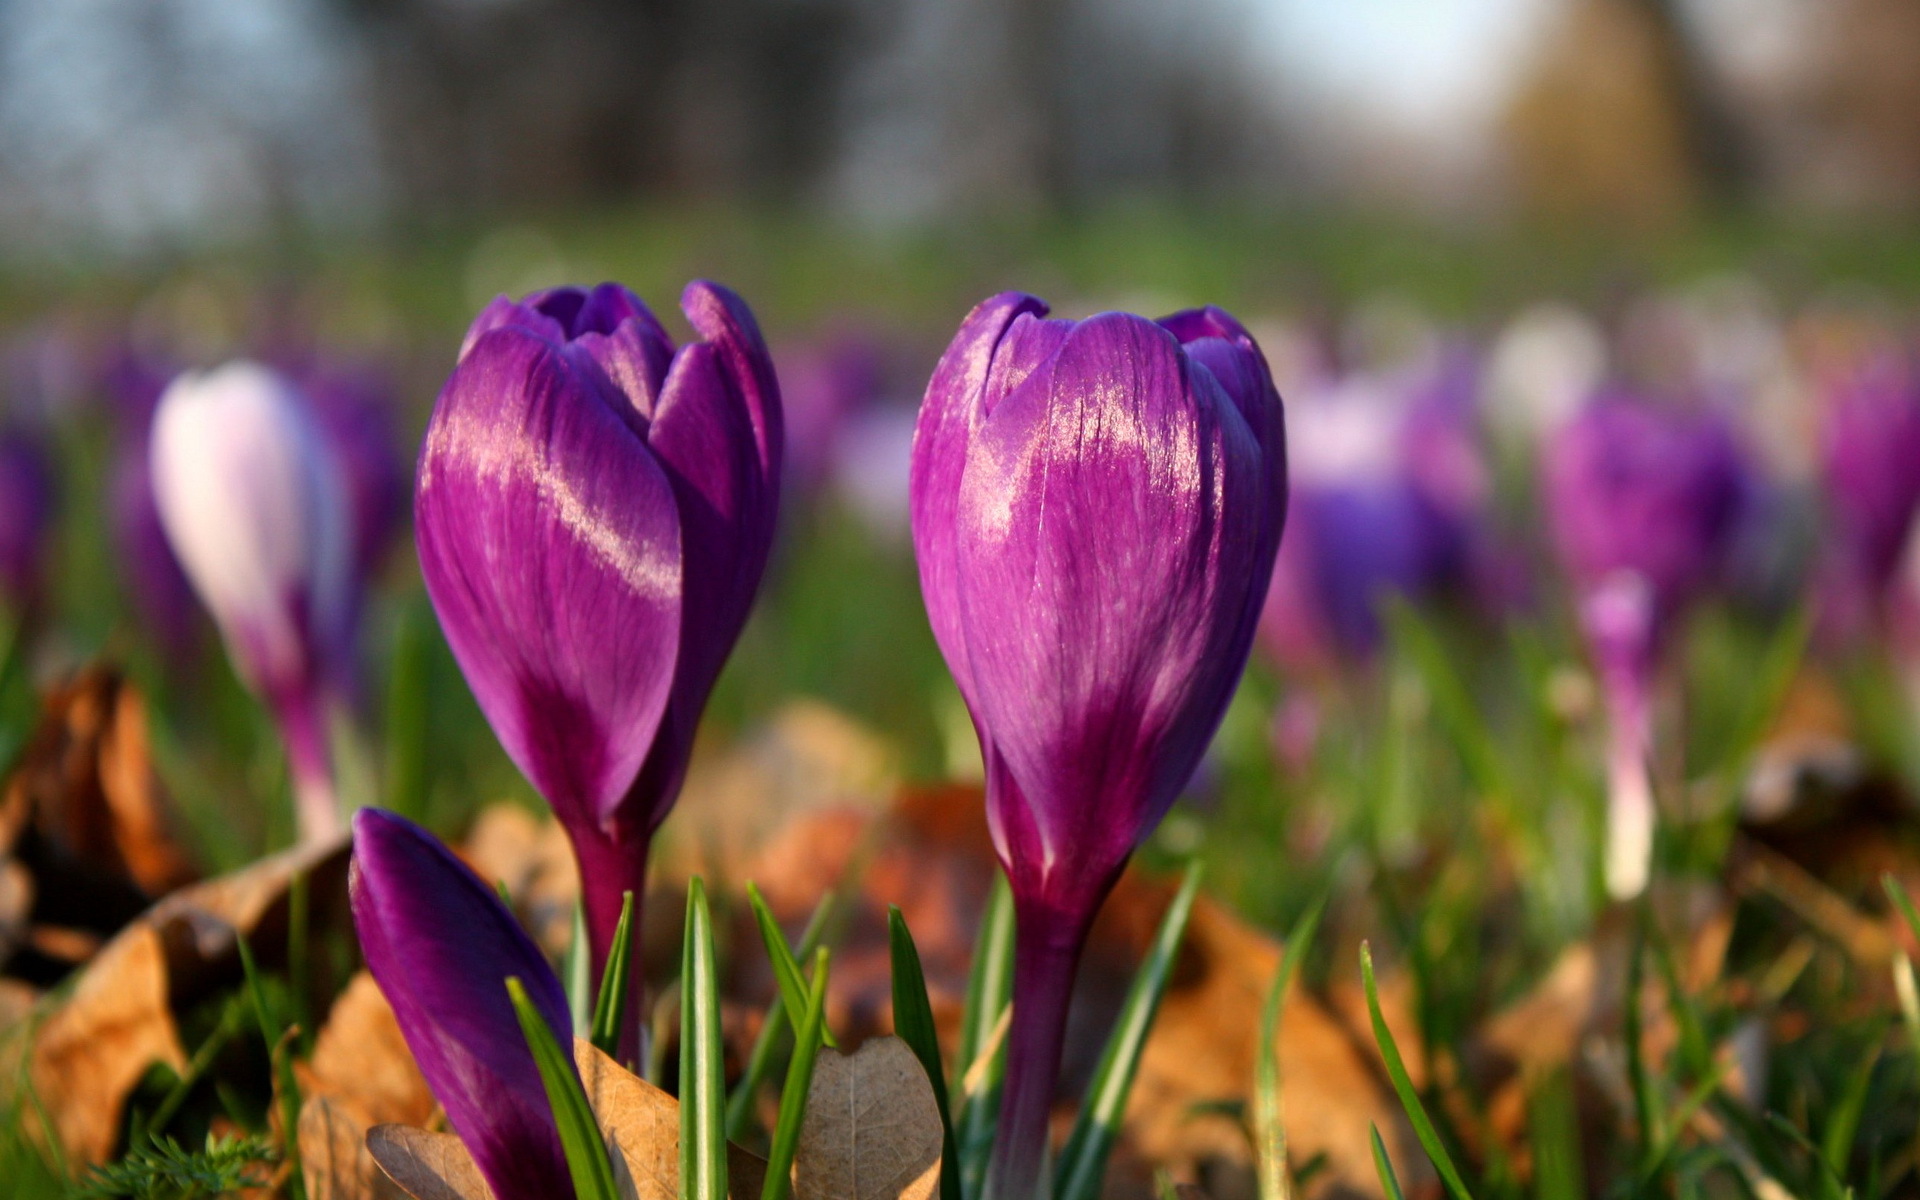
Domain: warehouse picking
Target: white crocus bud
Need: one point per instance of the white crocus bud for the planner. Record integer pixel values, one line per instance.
(252, 498)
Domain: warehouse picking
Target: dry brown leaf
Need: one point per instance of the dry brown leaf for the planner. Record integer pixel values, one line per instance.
(334, 1156)
(92, 1050)
(1203, 1049)
(361, 1075)
(425, 1165)
(640, 1122)
(872, 1129)
(643, 1124)
(88, 782)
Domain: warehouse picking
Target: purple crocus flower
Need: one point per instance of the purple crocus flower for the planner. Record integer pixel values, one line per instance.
(1644, 505)
(594, 511)
(250, 494)
(1871, 461)
(442, 946)
(26, 518)
(1096, 507)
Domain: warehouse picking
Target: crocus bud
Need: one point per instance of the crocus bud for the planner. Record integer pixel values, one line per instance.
(250, 494)
(441, 945)
(593, 513)
(26, 517)
(1644, 505)
(1871, 468)
(1096, 507)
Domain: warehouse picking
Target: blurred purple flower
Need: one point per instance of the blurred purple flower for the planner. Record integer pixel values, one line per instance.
(594, 511)
(823, 387)
(162, 596)
(873, 469)
(1871, 458)
(1096, 507)
(1634, 487)
(1388, 493)
(442, 946)
(27, 496)
(250, 494)
(356, 409)
(1645, 504)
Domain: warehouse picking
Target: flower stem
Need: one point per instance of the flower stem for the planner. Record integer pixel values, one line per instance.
(303, 727)
(610, 867)
(1046, 949)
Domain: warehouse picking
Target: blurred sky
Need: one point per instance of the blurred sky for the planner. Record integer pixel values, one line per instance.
(131, 122)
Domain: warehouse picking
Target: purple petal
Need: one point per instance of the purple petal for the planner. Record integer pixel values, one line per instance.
(948, 418)
(1634, 488)
(1110, 529)
(550, 546)
(442, 946)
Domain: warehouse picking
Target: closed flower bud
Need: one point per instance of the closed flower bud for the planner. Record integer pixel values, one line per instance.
(1096, 508)
(250, 495)
(442, 946)
(593, 513)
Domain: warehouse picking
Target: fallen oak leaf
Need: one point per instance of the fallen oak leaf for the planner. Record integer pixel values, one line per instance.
(872, 1129)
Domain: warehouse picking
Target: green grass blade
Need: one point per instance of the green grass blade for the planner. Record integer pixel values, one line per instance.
(793, 1097)
(786, 968)
(287, 1087)
(1553, 1124)
(703, 1082)
(760, 1059)
(989, 991)
(1843, 1121)
(913, 1022)
(409, 694)
(587, 1161)
(1903, 902)
(1453, 703)
(1083, 1163)
(576, 970)
(1403, 1084)
(1269, 1135)
(1389, 1182)
(610, 1004)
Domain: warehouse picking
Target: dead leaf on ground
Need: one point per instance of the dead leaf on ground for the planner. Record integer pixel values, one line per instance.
(361, 1075)
(426, 1165)
(872, 1129)
(640, 1122)
(335, 1158)
(87, 777)
(1203, 1051)
(643, 1124)
(90, 1052)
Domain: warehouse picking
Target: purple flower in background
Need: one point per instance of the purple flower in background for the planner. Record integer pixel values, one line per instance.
(1096, 508)
(1388, 487)
(27, 496)
(442, 946)
(1634, 487)
(356, 407)
(822, 388)
(593, 514)
(251, 497)
(163, 599)
(1644, 504)
(1871, 458)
